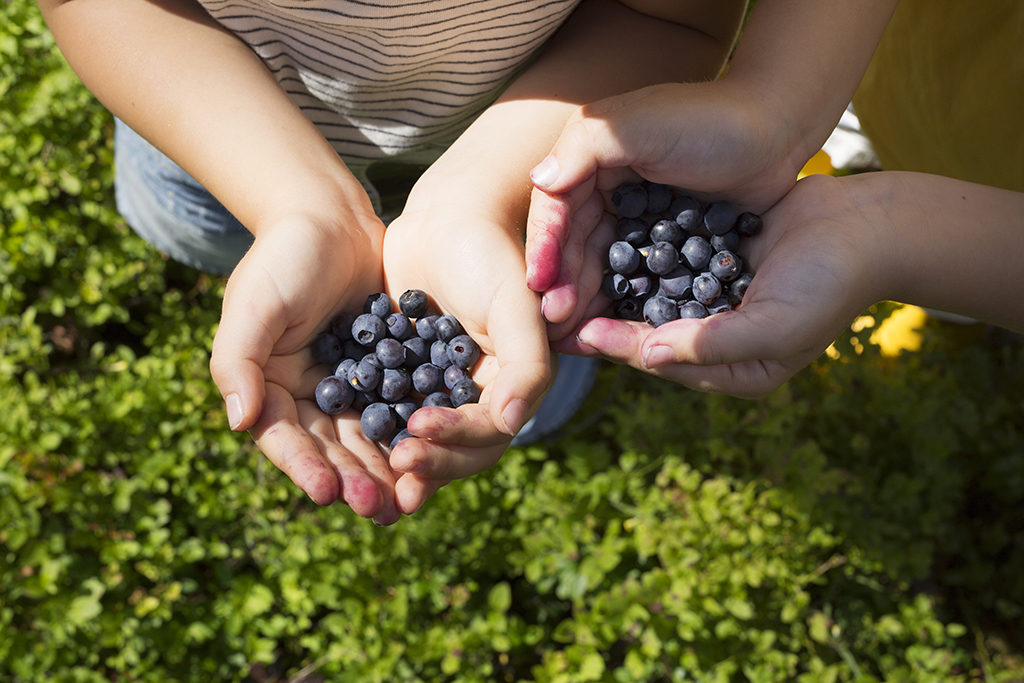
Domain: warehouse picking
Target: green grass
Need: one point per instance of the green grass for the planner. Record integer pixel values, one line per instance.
(862, 523)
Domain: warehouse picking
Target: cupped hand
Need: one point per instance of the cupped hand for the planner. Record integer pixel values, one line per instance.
(708, 138)
(814, 273)
(472, 269)
(298, 273)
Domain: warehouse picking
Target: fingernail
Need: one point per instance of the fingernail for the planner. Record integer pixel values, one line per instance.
(657, 356)
(233, 406)
(514, 416)
(584, 345)
(546, 172)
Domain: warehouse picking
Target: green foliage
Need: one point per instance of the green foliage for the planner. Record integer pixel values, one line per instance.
(860, 524)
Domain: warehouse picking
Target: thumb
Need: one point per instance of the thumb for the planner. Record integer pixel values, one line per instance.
(250, 324)
(586, 145)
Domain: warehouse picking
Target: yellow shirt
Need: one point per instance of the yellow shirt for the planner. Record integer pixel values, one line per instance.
(944, 92)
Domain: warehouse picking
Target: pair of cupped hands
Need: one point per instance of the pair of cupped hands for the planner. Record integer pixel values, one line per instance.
(522, 305)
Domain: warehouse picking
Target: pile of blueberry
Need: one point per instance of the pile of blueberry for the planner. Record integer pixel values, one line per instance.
(388, 363)
(675, 257)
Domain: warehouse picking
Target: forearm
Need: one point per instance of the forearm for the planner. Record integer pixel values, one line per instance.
(203, 98)
(945, 243)
(604, 49)
(799, 63)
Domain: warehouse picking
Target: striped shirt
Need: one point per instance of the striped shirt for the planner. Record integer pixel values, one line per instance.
(398, 79)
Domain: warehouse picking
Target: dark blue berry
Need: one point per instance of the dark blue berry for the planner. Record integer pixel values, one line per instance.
(368, 329)
(659, 197)
(378, 304)
(333, 395)
(438, 398)
(426, 327)
(399, 326)
(706, 288)
(615, 286)
(417, 352)
(404, 410)
(353, 349)
(341, 325)
(632, 230)
(453, 374)
(463, 351)
(623, 258)
(327, 349)
(719, 305)
(413, 303)
(667, 230)
(439, 354)
(738, 287)
(378, 422)
(630, 200)
(365, 375)
(448, 327)
(677, 284)
(692, 309)
(465, 391)
(720, 217)
(749, 224)
(629, 309)
(696, 252)
(640, 286)
(344, 368)
(663, 258)
(390, 352)
(683, 203)
(659, 310)
(427, 378)
(394, 384)
(725, 265)
(730, 241)
(399, 437)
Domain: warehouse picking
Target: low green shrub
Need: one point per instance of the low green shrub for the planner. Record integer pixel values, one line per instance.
(861, 523)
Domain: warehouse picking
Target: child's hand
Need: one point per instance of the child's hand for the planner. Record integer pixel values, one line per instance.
(473, 270)
(816, 270)
(705, 137)
(298, 273)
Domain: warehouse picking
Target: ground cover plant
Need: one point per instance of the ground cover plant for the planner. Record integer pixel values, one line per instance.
(861, 523)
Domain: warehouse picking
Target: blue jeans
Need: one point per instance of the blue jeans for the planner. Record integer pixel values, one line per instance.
(173, 212)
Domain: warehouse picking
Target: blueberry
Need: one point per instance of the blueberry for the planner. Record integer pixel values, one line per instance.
(623, 258)
(448, 327)
(394, 384)
(437, 398)
(365, 375)
(630, 200)
(399, 326)
(378, 304)
(659, 197)
(341, 325)
(725, 265)
(464, 391)
(719, 305)
(640, 286)
(615, 286)
(439, 354)
(453, 374)
(417, 352)
(463, 351)
(730, 241)
(390, 352)
(688, 214)
(663, 258)
(629, 309)
(738, 287)
(327, 349)
(400, 436)
(677, 284)
(363, 399)
(632, 230)
(353, 349)
(404, 410)
(427, 378)
(667, 230)
(333, 395)
(344, 367)
(683, 203)
(659, 310)
(706, 288)
(368, 329)
(749, 224)
(692, 309)
(426, 327)
(413, 303)
(379, 422)
(371, 358)
(696, 252)
(720, 217)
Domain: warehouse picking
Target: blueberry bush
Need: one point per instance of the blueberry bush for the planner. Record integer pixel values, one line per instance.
(860, 524)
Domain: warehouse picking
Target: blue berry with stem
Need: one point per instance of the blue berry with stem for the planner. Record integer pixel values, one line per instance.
(413, 303)
(368, 329)
(400, 327)
(378, 304)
